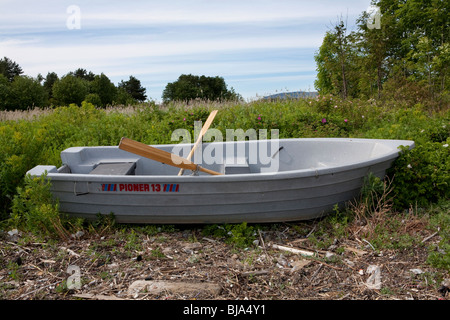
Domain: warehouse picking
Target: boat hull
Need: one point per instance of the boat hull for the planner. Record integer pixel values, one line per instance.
(289, 195)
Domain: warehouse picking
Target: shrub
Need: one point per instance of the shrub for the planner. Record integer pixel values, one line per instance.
(421, 175)
(94, 99)
(35, 210)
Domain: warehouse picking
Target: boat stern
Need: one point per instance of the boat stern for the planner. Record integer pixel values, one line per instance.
(40, 170)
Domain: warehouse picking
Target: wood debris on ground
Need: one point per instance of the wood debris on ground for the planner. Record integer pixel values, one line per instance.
(185, 265)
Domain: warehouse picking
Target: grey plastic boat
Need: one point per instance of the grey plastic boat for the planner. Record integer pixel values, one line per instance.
(262, 180)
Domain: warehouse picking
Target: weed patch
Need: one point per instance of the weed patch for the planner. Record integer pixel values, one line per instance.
(239, 235)
(35, 210)
(439, 256)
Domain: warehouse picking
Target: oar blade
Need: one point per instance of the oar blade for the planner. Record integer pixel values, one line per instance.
(200, 137)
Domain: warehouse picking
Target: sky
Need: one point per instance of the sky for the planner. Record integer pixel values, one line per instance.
(259, 47)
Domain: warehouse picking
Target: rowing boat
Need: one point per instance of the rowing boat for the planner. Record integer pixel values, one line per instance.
(254, 181)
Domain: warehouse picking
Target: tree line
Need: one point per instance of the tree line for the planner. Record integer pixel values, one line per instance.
(408, 56)
(20, 92)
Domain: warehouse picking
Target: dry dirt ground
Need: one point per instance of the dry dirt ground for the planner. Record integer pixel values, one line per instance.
(185, 265)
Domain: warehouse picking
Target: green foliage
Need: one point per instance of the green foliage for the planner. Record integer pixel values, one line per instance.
(124, 98)
(389, 233)
(103, 222)
(10, 69)
(70, 89)
(105, 90)
(336, 63)
(49, 81)
(333, 227)
(132, 88)
(4, 92)
(239, 235)
(82, 74)
(422, 175)
(133, 242)
(21, 93)
(26, 92)
(13, 270)
(157, 254)
(190, 87)
(94, 99)
(35, 210)
(371, 191)
(439, 256)
(407, 57)
(326, 63)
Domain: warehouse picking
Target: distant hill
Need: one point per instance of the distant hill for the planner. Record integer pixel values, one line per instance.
(292, 95)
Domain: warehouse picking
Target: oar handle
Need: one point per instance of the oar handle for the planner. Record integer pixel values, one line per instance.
(159, 155)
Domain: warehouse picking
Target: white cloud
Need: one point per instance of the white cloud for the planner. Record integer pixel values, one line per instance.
(55, 56)
(159, 40)
(49, 13)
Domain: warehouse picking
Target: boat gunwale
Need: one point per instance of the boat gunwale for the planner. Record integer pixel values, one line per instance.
(260, 176)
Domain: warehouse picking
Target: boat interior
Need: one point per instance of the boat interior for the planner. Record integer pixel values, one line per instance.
(241, 157)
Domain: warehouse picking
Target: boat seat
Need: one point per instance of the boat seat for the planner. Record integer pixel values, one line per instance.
(120, 169)
(236, 165)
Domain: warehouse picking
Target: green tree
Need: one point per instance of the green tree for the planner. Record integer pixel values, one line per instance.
(10, 69)
(336, 63)
(104, 88)
(441, 63)
(26, 92)
(184, 89)
(83, 74)
(327, 65)
(408, 54)
(70, 89)
(134, 88)
(418, 34)
(49, 81)
(342, 48)
(123, 97)
(190, 87)
(4, 92)
(373, 61)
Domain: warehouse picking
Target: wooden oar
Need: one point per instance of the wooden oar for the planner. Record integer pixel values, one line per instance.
(200, 137)
(161, 155)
